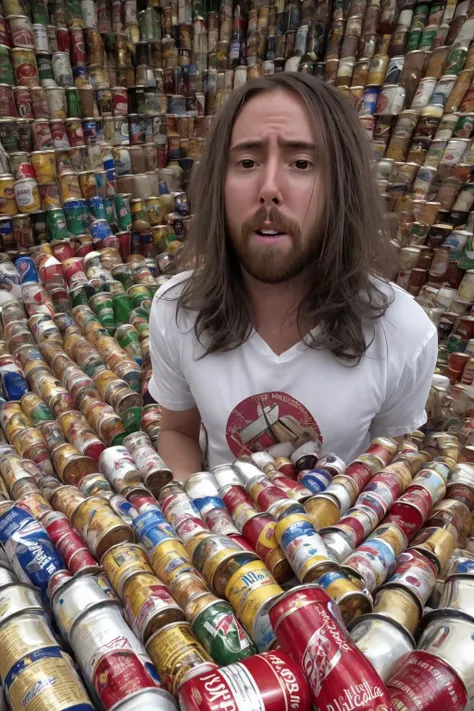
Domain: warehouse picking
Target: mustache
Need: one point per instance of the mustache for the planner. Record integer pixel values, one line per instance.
(280, 222)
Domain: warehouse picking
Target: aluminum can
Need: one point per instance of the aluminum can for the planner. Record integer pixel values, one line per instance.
(123, 561)
(117, 464)
(399, 605)
(22, 635)
(271, 680)
(99, 526)
(74, 598)
(384, 642)
(148, 605)
(178, 655)
(352, 601)
(107, 649)
(308, 624)
(416, 573)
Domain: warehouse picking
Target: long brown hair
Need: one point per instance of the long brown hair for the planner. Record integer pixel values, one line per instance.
(341, 293)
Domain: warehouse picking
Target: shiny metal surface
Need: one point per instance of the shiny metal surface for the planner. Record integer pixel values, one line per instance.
(383, 641)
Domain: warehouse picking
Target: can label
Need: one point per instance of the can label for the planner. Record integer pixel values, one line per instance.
(221, 635)
(46, 679)
(249, 588)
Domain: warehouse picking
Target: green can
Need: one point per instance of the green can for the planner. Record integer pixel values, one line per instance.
(413, 40)
(119, 438)
(139, 295)
(45, 68)
(109, 210)
(466, 260)
(123, 274)
(73, 102)
(420, 17)
(122, 307)
(56, 224)
(220, 633)
(455, 61)
(122, 211)
(127, 338)
(132, 419)
(102, 306)
(7, 75)
(39, 12)
(74, 14)
(78, 296)
(41, 413)
(464, 126)
(77, 216)
(427, 37)
(93, 365)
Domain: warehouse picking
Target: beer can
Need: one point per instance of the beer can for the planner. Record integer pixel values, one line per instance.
(117, 464)
(123, 561)
(99, 526)
(74, 598)
(352, 601)
(105, 647)
(178, 655)
(148, 605)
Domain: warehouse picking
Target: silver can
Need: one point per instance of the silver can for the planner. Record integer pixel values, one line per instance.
(246, 471)
(458, 593)
(149, 699)
(40, 38)
(225, 475)
(75, 598)
(263, 460)
(89, 12)
(337, 543)
(62, 70)
(383, 641)
(18, 598)
(118, 466)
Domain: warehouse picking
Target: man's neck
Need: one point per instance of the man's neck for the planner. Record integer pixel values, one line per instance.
(275, 311)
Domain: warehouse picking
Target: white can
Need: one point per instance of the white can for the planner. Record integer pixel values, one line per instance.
(40, 37)
(62, 70)
(118, 466)
(74, 598)
(104, 645)
(466, 287)
(89, 12)
(21, 31)
(454, 151)
(27, 195)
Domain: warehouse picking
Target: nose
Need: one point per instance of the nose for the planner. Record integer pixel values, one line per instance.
(270, 190)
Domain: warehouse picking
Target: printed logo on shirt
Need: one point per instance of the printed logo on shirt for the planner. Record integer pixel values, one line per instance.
(262, 421)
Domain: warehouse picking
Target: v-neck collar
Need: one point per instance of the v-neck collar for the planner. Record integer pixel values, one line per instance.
(284, 357)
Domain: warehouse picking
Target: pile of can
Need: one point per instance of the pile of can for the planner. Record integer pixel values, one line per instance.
(182, 594)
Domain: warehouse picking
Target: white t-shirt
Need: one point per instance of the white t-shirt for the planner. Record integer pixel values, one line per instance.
(251, 399)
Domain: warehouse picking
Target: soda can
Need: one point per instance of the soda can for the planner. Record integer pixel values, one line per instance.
(214, 624)
(352, 601)
(65, 499)
(148, 605)
(178, 655)
(308, 624)
(28, 545)
(105, 647)
(123, 561)
(99, 526)
(415, 573)
(117, 464)
(170, 559)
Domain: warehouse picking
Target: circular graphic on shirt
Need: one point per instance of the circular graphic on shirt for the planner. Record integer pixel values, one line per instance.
(267, 419)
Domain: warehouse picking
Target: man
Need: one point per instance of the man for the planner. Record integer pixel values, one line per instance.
(283, 333)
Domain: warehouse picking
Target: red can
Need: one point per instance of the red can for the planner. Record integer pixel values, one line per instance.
(264, 493)
(309, 627)
(384, 448)
(82, 560)
(426, 682)
(25, 170)
(360, 473)
(119, 101)
(285, 466)
(59, 134)
(234, 496)
(7, 101)
(241, 541)
(78, 49)
(62, 39)
(420, 497)
(62, 249)
(143, 501)
(4, 34)
(391, 480)
(271, 681)
(294, 489)
(24, 102)
(407, 517)
(57, 525)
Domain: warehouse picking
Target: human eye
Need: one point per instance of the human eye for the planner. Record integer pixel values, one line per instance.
(302, 164)
(246, 163)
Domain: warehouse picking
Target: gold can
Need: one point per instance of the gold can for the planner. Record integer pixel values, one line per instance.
(66, 499)
(148, 605)
(36, 504)
(377, 70)
(123, 561)
(437, 543)
(87, 184)
(322, 510)
(393, 535)
(399, 605)
(170, 559)
(186, 587)
(44, 163)
(8, 204)
(22, 635)
(13, 419)
(100, 526)
(71, 465)
(69, 187)
(352, 601)
(176, 653)
(153, 208)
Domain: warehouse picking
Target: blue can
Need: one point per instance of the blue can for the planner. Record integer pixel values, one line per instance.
(147, 519)
(26, 270)
(108, 162)
(14, 385)
(101, 180)
(369, 100)
(29, 548)
(100, 229)
(96, 207)
(154, 535)
(316, 480)
(6, 231)
(296, 530)
(207, 503)
(463, 566)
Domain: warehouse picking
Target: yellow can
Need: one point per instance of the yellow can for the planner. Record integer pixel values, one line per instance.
(36, 503)
(122, 561)
(176, 653)
(248, 589)
(170, 559)
(399, 605)
(148, 605)
(100, 526)
(352, 601)
(13, 419)
(8, 204)
(153, 207)
(87, 184)
(69, 187)
(322, 510)
(22, 635)
(66, 499)
(46, 679)
(288, 521)
(44, 163)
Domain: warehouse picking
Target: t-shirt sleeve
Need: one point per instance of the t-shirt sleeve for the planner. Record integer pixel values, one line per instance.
(167, 386)
(404, 408)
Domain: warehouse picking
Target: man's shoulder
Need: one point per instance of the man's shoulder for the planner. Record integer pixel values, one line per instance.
(165, 304)
(405, 323)
(173, 286)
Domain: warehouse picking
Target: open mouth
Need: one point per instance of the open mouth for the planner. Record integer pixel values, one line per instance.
(269, 233)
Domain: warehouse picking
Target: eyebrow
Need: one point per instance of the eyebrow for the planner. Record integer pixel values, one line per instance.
(253, 144)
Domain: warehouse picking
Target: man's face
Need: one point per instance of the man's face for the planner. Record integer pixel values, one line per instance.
(274, 190)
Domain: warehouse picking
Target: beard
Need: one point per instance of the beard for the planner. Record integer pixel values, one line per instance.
(274, 263)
